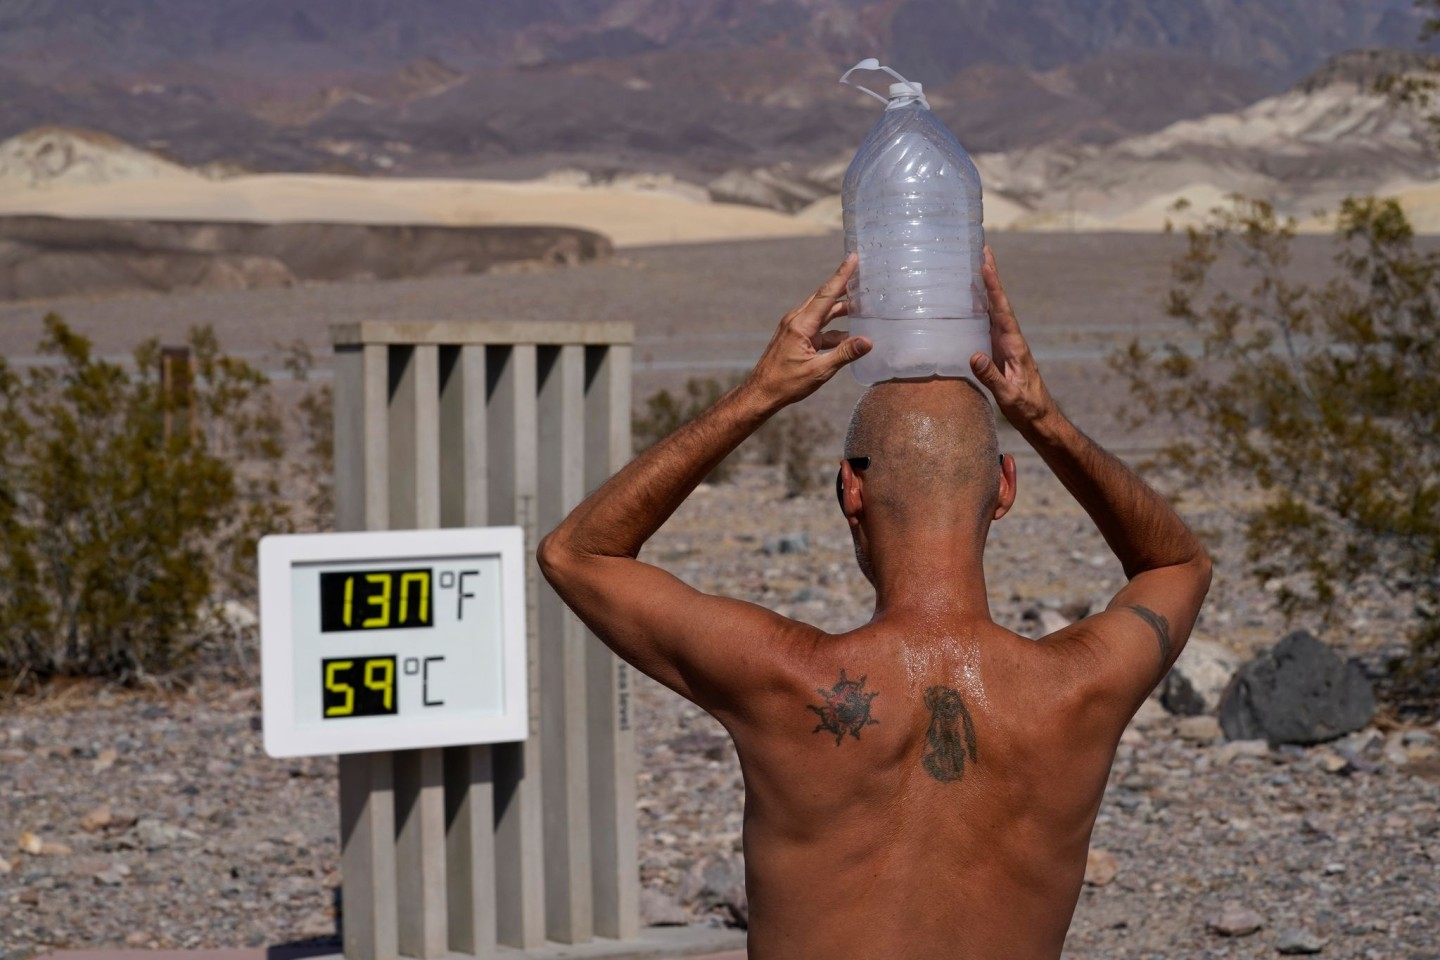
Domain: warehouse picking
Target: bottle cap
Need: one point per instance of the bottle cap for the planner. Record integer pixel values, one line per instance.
(905, 88)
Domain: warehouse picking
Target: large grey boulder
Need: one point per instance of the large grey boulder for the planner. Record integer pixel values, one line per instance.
(1300, 691)
(1198, 679)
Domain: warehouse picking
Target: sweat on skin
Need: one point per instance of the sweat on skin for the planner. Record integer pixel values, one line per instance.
(925, 784)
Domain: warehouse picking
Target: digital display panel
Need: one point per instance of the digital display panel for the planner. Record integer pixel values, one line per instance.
(376, 600)
(393, 640)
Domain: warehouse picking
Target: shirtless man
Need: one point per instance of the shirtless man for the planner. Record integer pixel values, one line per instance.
(923, 786)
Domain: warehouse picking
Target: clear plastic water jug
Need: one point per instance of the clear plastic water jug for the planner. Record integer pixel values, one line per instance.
(913, 212)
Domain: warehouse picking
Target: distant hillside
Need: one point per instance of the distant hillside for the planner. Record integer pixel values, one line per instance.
(697, 87)
(938, 38)
(1329, 137)
(54, 156)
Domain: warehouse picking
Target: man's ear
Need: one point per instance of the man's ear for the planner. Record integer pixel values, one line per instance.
(1007, 486)
(852, 499)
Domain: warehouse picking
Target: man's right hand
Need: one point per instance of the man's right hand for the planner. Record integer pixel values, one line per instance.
(1012, 375)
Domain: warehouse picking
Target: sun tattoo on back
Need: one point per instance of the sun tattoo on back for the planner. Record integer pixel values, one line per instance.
(846, 708)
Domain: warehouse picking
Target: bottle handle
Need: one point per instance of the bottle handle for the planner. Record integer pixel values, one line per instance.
(870, 63)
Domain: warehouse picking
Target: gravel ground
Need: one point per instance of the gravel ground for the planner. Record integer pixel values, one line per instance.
(155, 819)
(159, 821)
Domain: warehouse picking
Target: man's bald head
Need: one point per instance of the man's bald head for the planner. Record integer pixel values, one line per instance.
(934, 457)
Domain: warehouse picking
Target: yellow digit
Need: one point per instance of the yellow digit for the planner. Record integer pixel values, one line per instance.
(349, 598)
(424, 579)
(382, 619)
(386, 685)
(334, 686)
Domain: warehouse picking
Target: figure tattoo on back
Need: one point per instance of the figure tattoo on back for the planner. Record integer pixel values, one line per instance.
(951, 737)
(846, 708)
(1160, 625)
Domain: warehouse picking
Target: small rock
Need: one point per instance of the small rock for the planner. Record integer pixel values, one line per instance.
(660, 910)
(113, 875)
(1052, 621)
(30, 843)
(1075, 610)
(1180, 697)
(4, 866)
(86, 866)
(1294, 940)
(1418, 738)
(105, 759)
(1198, 729)
(1229, 752)
(1332, 762)
(1199, 677)
(1041, 621)
(157, 835)
(1420, 754)
(1235, 920)
(1366, 744)
(316, 923)
(787, 543)
(48, 849)
(1100, 867)
(713, 881)
(1149, 714)
(711, 745)
(97, 819)
(738, 903)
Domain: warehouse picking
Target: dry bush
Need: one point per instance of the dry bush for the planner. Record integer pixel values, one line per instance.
(131, 503)
(1325, 399)
(789, 440)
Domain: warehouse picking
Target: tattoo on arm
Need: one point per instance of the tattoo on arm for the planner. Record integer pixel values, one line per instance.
(951, 737)
(1160, 625)
(846, 708)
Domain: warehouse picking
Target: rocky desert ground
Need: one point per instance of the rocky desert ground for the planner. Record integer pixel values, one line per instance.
(155, 820)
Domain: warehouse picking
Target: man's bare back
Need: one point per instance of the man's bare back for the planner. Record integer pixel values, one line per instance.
(943, 811)
(925, 785)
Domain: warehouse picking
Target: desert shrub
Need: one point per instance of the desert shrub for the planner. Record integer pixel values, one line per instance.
(665, 412)
(792, 441)
(1324, 400)
(129, 502)
(313, 471)
(789, 440)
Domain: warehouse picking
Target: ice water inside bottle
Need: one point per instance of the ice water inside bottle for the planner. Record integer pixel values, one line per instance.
(913, 212)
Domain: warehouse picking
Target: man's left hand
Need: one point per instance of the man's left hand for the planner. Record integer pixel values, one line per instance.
(802, 355)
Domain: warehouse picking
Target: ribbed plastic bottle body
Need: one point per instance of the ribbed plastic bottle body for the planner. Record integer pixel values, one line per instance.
(913, 211)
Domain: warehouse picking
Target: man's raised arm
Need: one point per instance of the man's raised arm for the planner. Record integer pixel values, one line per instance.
(689, 641)
(1144, 628)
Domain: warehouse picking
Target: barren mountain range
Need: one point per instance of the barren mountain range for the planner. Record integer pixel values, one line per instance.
(515, 87)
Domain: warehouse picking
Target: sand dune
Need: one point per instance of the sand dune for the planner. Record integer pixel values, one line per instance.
(630, 217)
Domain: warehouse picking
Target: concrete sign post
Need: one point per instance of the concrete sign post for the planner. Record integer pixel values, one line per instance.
(460, 848)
